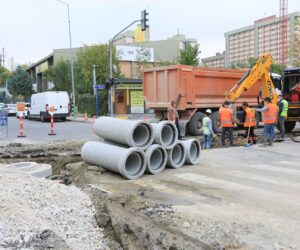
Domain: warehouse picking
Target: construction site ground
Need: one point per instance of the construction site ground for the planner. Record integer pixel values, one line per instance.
(235, 198)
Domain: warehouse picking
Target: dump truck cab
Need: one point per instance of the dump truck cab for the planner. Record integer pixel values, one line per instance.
(291, 92)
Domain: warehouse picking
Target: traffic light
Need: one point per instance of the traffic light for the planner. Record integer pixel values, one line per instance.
(144, 19)
(109, 83)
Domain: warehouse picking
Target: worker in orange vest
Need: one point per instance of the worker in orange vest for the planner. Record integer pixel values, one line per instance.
(227, 121)
(270, 119)
(172, 115)
(249, 123)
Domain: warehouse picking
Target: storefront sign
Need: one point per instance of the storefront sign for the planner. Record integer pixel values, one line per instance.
(136, 101)
(129, 86)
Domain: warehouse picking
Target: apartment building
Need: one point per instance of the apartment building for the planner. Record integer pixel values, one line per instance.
(261, 37)
(217, 61)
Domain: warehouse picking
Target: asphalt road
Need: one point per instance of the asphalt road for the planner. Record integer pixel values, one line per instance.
(38, 131)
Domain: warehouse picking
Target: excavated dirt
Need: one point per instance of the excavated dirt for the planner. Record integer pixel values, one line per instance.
(130, 219)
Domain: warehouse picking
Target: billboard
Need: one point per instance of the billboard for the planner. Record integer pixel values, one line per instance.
(134, 54)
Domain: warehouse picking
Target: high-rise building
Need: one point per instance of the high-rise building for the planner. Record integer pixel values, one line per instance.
(254, 40)
(217, 61)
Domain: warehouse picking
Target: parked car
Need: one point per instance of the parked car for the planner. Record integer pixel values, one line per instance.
(41, 103)
(12, 109)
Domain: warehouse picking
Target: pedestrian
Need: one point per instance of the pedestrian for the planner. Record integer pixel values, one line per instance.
(227, 122)
(249, 123)
(283, 106)
(207, 129)
(172, 115)
(270, 118)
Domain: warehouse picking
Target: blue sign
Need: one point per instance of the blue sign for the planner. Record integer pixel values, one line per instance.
(3, 121)
(101, 86)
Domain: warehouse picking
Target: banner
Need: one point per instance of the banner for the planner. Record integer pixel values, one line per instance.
(136, 101)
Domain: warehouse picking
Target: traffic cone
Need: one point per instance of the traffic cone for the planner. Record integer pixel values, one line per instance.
(21, 129)
(52, 126)
(85, 117)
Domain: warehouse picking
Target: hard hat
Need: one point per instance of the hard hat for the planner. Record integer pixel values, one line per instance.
(208, 111)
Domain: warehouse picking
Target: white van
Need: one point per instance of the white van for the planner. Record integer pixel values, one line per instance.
(41, 103)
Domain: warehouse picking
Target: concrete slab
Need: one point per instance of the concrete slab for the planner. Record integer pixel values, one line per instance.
(236, 197)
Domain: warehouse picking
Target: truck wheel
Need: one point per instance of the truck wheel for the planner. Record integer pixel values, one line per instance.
(195, 124)
(215, 117)
(63, 119)
(289, 126)
(42, 118)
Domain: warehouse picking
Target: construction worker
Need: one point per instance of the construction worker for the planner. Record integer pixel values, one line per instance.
(172, 115)
(207, 129)
(227, 122)
(270, 118)
(249, 123)
(283, 106)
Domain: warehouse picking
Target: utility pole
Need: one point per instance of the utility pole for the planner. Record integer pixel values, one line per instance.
(71, 56)
(3, 58)
(144, 26)
(94, 78)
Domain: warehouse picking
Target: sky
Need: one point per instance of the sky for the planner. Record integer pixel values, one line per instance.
(31, 29)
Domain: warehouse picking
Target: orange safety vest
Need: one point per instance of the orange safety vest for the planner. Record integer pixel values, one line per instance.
(250, 120)
(271, 115)
(225, 117)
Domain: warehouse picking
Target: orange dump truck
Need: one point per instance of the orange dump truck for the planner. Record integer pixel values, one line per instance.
(195, 89)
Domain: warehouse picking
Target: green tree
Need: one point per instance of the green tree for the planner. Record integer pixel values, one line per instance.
(4, 75)
(59, 74)
(20, 83)
(189, 55)
(94, 55)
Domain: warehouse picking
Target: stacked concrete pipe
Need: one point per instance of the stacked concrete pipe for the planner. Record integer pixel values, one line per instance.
(136, 134)
(156, 159)
(192, 148)
(129, 162)
(165, 133)
(176, 155)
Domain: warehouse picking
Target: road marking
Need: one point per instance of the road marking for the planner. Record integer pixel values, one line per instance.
(276, 169)
(230, 185)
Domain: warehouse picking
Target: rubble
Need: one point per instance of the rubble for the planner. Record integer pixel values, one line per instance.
(39, 214)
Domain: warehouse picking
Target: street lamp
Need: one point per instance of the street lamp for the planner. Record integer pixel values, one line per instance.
(71, 56)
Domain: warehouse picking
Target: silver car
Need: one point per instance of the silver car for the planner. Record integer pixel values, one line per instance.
(12, 109)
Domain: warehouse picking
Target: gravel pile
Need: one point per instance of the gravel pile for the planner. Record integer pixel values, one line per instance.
(42, 214)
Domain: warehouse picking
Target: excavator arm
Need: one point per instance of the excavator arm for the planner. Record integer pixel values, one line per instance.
(259, 72)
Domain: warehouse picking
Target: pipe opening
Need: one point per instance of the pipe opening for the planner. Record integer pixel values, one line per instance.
(168, 135)
(134, 164)
(156, 159)
(177, 154)
(194, 151)
(141, 135)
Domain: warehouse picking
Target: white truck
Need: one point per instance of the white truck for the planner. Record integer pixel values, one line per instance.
(41, 103)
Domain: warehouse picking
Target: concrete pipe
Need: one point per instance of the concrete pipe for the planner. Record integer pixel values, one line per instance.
(129, 162)
(156, 159)
(165, 133)
(192, 148)
(176, 155)
(137, 134)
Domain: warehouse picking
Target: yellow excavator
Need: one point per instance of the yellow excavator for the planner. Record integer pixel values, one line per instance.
(260, 73)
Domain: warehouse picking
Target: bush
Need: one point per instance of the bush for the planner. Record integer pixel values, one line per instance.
(87, 103)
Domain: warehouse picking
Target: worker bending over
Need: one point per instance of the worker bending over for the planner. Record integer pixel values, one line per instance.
(172, 115)
(270, 119)
(227, 122)
(249, 123)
